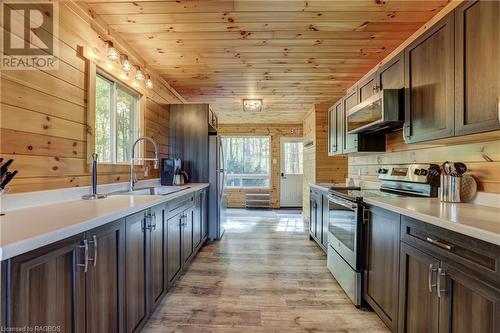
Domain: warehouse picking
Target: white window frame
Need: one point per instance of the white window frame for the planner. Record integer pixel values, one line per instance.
(135, 130)
(250, 176)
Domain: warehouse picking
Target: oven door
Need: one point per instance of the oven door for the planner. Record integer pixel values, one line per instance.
(343, 228)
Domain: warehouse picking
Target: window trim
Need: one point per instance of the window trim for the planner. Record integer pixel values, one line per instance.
(91, 72)
(270, 174)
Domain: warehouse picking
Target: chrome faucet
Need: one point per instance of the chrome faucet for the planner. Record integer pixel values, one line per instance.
(133, 178)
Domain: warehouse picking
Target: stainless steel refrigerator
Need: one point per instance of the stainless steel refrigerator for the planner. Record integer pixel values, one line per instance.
(217, 199)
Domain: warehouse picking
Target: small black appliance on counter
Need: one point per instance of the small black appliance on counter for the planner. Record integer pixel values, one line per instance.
(168, 167)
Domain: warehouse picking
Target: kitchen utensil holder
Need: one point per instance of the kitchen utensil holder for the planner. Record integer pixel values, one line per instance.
(450, 188)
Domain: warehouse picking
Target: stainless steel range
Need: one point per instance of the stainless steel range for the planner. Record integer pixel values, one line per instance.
(346, 214)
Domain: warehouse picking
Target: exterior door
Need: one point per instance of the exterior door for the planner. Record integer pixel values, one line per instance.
(291, 172)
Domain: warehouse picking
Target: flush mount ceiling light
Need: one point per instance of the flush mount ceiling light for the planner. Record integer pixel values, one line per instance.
(113, 53)
(149, 82)
(252, 105)
(126, 65)
(139, 75)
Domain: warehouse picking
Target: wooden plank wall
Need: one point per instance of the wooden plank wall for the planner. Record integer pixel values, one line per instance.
(236, 197)
(44, 114)
(318, 166)
(473, 150)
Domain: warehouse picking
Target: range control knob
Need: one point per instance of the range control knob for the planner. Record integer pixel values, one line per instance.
(417, 172)
(382, 171)
(423, 172)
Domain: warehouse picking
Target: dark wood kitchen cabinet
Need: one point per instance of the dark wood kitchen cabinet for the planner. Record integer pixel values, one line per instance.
(47, 287)
(392, 74)
(105, 277)
(136, 271)
(174, 260)
(318, 226)
(477, 67)
(419, 305)
(187, 219)
(349, 141)
(200, 224)
(381, 266)
(156, 248)
(335, 128)
(448, 282)
(77, 283)
(429, 84)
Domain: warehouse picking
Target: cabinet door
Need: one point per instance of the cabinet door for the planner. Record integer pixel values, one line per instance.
(135, 253)
(187, 235)
(392, 75)
(332, 130)
(105, 278)
(429, 84)
(157, 261)
(350, 141)
(197, 221)
(466, 303)
(312, 214)
(47, 287)
(381, 269)
(174, 260)
(367, 88)
(204, 214)
(324, 221)
(477, 67)
(418, 301)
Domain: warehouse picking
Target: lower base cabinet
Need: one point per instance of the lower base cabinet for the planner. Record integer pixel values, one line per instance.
(136, 269)
(423, 278)
(381, 266)
(104, 280)
(108, 279)
(46, 287)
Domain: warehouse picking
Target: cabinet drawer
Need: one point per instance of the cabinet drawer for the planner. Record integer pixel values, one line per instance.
(476, 257)
(180, 204)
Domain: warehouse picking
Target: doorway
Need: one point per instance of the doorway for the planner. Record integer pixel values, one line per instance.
(291, 164)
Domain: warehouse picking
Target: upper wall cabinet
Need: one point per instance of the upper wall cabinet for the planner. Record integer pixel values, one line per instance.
(335, 121)
(429, 66)
(391, 75)
(349, 141)
(477, 67)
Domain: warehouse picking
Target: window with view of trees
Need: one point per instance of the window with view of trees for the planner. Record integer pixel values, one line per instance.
(247, 161)
(116, 120)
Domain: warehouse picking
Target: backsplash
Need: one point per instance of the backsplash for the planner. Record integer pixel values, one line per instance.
(481, 154)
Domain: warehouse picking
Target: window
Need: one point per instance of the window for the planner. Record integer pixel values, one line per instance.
(293, 157)
(247, 161)
(116, 120)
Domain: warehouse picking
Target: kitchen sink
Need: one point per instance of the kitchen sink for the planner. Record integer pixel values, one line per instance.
(155, 190)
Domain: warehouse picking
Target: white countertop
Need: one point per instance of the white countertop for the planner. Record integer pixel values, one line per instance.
(481, 222)
(25, 229)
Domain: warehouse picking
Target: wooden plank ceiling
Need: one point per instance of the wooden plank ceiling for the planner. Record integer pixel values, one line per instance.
(290, 53)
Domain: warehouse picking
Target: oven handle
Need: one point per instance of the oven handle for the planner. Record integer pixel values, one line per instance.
(345, 203)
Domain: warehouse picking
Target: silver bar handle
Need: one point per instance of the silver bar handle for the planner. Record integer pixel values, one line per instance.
(429, 277)
(439, 243)
(440, 273)
(85, 248)
(153, 226)
(94, 243)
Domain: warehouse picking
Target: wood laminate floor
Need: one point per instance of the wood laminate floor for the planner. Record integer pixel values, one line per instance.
(263, 276)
